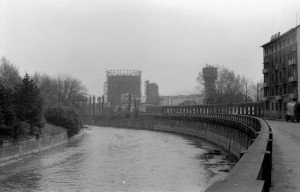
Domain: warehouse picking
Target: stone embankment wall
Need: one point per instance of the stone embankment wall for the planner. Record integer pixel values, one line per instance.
(12, 150)
(248, 138)
(223, 135)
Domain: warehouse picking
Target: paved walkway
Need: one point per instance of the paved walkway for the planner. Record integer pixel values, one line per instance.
(286, 156)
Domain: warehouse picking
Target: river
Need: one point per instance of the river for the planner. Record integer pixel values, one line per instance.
(113, 159)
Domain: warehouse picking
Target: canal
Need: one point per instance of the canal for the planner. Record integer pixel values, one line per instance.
(113, 159)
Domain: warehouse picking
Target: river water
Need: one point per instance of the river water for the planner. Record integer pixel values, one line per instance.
(113, 159)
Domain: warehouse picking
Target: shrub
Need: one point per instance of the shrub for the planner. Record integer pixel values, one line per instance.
(65, 116)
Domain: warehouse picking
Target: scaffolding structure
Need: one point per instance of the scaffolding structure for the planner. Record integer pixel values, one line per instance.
(120, 82)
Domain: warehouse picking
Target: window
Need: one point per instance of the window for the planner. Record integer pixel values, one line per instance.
(280, 91)
(266, 51)
(293, 56)
(280, 105)
(293, 38)
(280, 60)
(272, 63)
(280, 76)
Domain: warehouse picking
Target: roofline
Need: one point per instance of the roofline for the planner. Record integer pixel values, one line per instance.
(281, 36)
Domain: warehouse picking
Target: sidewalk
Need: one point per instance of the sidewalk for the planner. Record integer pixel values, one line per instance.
(286, 156)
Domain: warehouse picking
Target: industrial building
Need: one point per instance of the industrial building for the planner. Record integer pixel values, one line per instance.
(152, 93)
(281, 71)
(122, 86)
(210, 75)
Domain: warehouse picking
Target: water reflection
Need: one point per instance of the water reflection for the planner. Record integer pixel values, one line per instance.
(110, 159)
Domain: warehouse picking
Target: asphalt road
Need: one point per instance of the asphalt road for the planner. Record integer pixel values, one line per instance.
(286, 156)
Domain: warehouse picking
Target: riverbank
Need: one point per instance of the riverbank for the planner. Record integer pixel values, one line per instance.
(52, 136)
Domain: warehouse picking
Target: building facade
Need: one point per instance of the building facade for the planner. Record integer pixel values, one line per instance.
(281, 72)
(182, 100)
(151, 93)
(119, 83)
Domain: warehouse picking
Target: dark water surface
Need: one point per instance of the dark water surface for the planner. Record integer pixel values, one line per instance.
(111, 159)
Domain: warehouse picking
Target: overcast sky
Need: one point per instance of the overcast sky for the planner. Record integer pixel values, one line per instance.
(169, 40)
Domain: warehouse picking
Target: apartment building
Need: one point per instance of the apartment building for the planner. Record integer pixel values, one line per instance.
(281, 71)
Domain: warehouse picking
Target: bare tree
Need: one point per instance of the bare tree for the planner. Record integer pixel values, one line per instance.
(63, 89)
(9, 74)
(201, 83)
(230, 87)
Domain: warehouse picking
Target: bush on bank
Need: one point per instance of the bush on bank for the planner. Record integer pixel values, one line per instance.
(65, 116)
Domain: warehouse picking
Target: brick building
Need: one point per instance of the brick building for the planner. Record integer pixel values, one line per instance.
(281, 71)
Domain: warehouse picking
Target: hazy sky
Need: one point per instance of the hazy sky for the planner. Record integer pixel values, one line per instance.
(169, 40)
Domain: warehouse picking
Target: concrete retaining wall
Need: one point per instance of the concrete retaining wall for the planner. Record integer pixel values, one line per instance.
(12, 150)
(225, 136)
(248, 138)
(222, 135)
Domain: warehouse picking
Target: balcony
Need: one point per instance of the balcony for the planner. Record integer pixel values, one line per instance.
(283, 80)
(293, 96)
(292, 62)
(292, 79)
(266, 61)
(266, 84)
(283, 65)
(265, 71)
(278, 97)
(265, 98)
